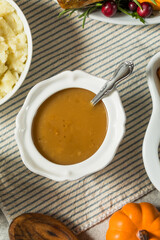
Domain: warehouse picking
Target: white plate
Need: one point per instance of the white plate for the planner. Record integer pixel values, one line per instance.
(124, 19)
(152, 137)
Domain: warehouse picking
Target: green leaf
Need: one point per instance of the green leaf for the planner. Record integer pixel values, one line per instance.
(92, 10)
(154, 2)
(82, 15)
(72, 12)
(138, 4)
(99, 4)
(86, 13)
(64, 12)
(133, 14)
(84, 18)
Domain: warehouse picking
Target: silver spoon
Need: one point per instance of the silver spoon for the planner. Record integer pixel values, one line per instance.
(122, 72)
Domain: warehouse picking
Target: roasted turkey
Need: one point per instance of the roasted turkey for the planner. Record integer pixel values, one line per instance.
(71, 4)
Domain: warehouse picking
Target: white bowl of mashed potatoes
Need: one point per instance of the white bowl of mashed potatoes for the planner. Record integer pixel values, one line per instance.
(15, 49)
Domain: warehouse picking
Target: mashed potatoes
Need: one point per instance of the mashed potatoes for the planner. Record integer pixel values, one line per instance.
(13, 48)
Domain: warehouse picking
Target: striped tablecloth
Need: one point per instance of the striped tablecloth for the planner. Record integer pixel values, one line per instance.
(61, 44)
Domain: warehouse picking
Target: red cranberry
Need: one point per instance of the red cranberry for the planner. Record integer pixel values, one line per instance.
(132, 6)
(146, 10)
(109, 8)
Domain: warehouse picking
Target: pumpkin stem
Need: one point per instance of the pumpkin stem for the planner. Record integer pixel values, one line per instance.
(143, 235)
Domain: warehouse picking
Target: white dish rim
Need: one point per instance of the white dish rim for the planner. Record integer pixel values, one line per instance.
(122, 19)
(152, 136)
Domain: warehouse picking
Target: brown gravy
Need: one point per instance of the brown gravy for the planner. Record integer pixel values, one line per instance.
(158, 72)
(158, 84)
(67, 129)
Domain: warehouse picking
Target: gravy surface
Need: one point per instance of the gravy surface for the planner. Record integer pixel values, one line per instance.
(67, 129)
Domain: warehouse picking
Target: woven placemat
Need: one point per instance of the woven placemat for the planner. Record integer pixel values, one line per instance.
(61, 44)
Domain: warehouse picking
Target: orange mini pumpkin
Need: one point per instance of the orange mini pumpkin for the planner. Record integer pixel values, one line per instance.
(135, 222)
(154, 6)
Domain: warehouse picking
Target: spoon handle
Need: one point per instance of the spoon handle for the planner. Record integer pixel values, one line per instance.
(122, 72)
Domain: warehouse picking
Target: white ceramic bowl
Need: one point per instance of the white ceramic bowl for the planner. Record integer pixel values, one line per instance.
(29, 58)
(38, 94)
(152, 137)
